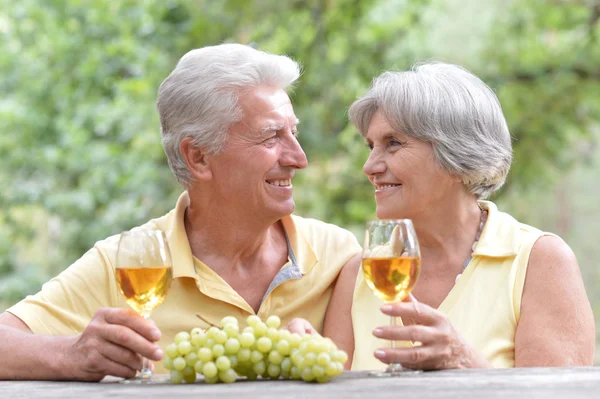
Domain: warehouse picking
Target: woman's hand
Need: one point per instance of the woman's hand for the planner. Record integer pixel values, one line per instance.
(442, 347)
(300, 326)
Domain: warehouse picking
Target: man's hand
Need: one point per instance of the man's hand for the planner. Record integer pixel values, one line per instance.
(112, 344)
(300, 326)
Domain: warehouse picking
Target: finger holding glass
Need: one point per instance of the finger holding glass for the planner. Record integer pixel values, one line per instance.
(391, 262)
(143, 273)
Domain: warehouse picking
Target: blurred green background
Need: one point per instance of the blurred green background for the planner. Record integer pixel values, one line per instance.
(80, 145)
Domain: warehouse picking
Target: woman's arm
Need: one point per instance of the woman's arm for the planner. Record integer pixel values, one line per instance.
(556, 327)
(338, 319)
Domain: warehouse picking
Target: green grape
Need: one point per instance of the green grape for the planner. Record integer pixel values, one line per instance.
(283, 347)
(260, 330)
(253, 320)
(218, 350)
(171, 350)
(260, 368)
(168, 363)
(210, 342)
(251, 375)
(273, 321)
(211, 380)
(247, 339)
(331, 370)
(286, 364)
(249, 330)
(295, 373)
(189, 375)
(297, 358)
(198, 367)
(223, 363)
(310, 359)
(244, 355)
(284, 335)
(199, 339)
(312, 345)
(234, 361)
(182, 336)
(232, 330)
(176, 377)
(323, 379)
(323, 359)
(264, 344)
(303, 348)
(220, 337)
(196, 331)
(273, 334)
(184, 347)
(228, 320)
(322, 347)
(295, 340)
(256, 356)
(212, 331)
(273, 371)
(179, 363)
(318, 371)
(339, 356)
(205, 354)
(307, 374)
(275, 357)
(232, 346)
(210, 370)
(228, 376)
(191, 359)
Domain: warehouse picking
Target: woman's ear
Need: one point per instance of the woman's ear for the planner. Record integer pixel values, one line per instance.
(196, 160)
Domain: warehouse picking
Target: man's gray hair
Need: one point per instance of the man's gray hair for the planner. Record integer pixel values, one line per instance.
(452, 109)
(200, 98)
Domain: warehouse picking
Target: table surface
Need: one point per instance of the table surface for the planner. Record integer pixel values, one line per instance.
(580, 382)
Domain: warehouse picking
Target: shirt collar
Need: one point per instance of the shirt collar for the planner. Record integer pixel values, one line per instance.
(500, 235)
(300, 251)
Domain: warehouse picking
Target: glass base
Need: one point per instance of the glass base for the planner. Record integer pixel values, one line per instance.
(394, 370)
(147, 380)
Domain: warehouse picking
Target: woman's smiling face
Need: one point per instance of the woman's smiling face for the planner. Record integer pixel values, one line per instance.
(407, 177)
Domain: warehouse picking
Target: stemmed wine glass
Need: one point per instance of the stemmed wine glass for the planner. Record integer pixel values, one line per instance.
(143, 272)
(391, 261)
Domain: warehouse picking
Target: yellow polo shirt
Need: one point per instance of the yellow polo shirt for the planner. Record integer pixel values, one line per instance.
(198, 296)
(484, 305)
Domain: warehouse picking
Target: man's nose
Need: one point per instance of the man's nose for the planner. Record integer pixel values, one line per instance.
(293, 155)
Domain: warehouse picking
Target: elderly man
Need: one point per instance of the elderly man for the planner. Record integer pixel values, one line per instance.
(230, 135)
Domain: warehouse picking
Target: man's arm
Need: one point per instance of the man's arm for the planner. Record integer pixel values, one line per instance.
(110, 345)
(338, 319)
(555, 305)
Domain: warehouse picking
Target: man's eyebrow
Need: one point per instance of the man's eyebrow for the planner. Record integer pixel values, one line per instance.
(274, 128)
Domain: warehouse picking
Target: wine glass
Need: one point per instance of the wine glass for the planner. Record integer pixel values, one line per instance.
(143, 272)
(391, 261)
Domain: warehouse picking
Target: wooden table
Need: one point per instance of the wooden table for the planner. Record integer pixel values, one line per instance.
(581, 382)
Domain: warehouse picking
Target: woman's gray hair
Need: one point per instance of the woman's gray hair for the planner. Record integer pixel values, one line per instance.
(200, 98)
(452, 109)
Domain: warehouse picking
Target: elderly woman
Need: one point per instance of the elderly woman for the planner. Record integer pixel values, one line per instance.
(492, 292)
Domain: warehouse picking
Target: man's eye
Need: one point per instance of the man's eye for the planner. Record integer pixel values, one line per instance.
(369, 146)
(394, 143)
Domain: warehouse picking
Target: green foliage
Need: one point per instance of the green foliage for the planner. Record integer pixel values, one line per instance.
(80, 149)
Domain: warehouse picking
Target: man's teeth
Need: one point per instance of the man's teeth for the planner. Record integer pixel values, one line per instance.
(281, 183)
(383, 187)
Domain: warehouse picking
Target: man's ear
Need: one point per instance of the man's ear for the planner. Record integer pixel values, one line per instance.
(196, 160)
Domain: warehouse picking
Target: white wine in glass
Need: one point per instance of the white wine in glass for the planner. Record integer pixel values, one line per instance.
(143, 272)
(391, 262)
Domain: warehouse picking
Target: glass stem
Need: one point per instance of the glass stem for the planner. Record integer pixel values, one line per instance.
(393, 367)
(145, 372)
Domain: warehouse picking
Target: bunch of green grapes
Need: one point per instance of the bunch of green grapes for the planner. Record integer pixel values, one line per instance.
(259, 350)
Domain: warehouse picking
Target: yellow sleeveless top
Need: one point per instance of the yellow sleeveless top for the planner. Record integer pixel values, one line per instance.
(484, 305)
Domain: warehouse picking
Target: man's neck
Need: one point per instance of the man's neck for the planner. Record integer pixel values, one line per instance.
(226, 242)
